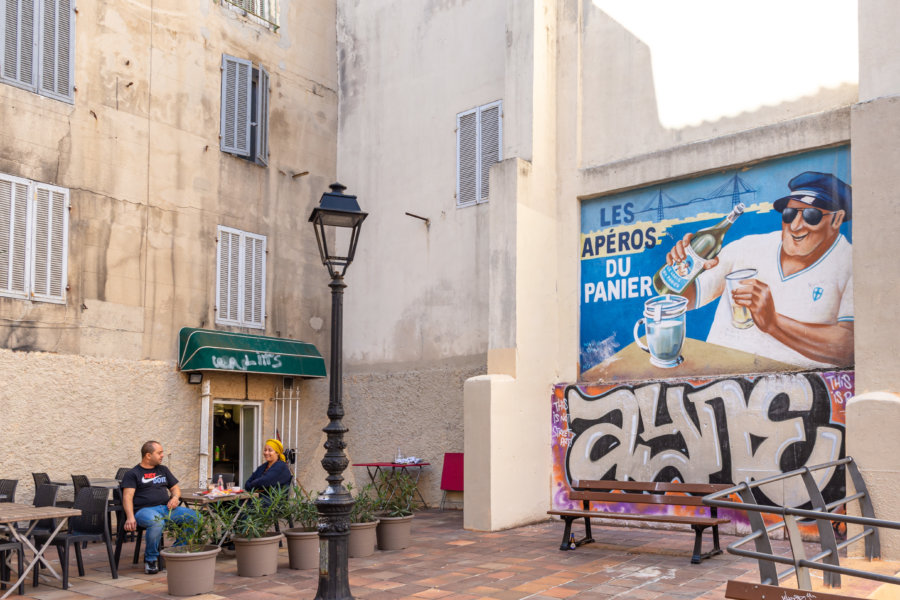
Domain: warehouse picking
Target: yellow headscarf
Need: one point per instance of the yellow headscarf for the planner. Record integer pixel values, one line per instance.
(277, 446)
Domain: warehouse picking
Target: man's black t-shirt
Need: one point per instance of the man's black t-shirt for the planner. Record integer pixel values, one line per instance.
(151, 486)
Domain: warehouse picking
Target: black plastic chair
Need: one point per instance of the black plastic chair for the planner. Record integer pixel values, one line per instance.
(122, 536)
(44, 495)
(7, 546)
(90, 526)
(120, 473)
(80, 481)
(40, 479)
(8, 489)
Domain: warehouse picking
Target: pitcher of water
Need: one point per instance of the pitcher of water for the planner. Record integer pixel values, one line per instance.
(665, 320)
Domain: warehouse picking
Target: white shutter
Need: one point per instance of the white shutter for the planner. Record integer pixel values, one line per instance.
(254, 299)
(57, 38)
(262, 117)
(235, 118)
(466, 157)
(19, 35)
(51, 219)
(228, 276)
(489, 146)
(14, 255)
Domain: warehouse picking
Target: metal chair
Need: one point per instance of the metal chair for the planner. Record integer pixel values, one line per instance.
(8, 489)
(451, 474)
(90, 526)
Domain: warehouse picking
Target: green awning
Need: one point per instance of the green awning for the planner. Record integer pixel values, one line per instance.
(207, 350)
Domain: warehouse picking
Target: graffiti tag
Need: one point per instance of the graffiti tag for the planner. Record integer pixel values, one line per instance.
(231, 363)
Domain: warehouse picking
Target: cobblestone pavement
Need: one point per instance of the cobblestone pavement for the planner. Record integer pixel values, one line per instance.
(444, 561)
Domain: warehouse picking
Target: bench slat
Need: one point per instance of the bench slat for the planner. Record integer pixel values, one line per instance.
(631, 498)
(744, 590)
(641, 517)
(650, 486)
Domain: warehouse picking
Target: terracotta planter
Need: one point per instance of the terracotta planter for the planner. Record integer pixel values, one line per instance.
(257, 556)
(362, 539)
(303, 547)
(393, 532)
(190, 573)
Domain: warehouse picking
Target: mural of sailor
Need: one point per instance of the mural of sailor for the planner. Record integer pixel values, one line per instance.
(797, 283)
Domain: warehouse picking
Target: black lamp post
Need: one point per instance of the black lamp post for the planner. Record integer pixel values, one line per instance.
(337, 213)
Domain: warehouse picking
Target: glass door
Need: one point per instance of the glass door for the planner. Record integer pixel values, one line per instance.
(236, 440)
(249, 442)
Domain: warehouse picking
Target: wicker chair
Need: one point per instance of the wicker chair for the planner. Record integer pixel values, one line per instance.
(44, 495)
(90, 526)
(40, 479)
(8, 489)
(7, 546)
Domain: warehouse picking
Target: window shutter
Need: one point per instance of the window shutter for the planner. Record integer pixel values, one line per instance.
(227, 276)
(57, 37)
(235, 120)
(254, 280)
(489, 146)
(19, 37)
(262, 117)
(466, 157)
(13, 236)
(51, 217)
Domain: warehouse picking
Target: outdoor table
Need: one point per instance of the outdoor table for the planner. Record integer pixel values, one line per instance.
(13, 512)
(106, 482)
(196, 499)
(392, 469)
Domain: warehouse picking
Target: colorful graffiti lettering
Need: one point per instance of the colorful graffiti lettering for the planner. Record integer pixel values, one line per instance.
(718, 431)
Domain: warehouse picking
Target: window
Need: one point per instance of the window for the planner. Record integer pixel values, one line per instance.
(479, 140)
(245, 110)
(34, 226)
(240, 278)
(38, 46)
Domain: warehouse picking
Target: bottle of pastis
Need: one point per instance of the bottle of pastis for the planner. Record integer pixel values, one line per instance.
(704, 246)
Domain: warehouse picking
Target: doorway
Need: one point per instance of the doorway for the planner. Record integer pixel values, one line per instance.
(236, 435)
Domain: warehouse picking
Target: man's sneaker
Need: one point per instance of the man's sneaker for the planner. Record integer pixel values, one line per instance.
(151, 567)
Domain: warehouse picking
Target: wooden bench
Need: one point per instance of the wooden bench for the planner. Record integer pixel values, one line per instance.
(638, 492)
(743, 590)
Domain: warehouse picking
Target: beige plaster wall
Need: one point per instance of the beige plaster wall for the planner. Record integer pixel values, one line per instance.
(66, 415)
(139, 151)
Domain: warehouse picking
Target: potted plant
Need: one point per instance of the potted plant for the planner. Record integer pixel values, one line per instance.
(303, 538)
(255, 541)
(395, 504)
(191, 563)
(363, 522)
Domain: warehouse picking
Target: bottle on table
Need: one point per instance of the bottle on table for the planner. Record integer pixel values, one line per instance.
(221, 483)
(705, 245)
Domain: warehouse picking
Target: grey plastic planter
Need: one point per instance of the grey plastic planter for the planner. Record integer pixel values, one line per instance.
(257, 556)
(393, 532)
(362, 539)
(190, 573)
(303, 548)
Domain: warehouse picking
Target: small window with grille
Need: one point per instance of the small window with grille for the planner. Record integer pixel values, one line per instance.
(479, 144)
(34, 230)
(37, 46)
(240, 278)
(244, 126)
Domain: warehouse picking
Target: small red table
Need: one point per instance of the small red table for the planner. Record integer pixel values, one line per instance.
(375, 469)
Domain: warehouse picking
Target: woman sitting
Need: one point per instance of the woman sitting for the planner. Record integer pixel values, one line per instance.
(273, 472)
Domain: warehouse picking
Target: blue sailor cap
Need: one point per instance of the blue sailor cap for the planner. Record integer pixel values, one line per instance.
(821, 190)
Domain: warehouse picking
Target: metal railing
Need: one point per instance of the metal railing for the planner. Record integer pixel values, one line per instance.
(264, 10)
(827, 560)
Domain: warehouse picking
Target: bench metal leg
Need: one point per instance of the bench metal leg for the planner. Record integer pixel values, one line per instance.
(698, 540)
(567, 534)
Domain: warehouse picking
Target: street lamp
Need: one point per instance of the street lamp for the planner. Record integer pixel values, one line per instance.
(337, 221)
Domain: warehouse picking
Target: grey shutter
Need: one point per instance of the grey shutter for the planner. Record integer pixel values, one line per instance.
(254, 299)
(227, 276)
(19, 43)
(235, 119)
(51, 218)
(262, 117)
(489, 146)
(57, 43)
(13, 236)
(466, 157)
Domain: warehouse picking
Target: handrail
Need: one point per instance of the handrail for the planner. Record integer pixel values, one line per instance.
(827, 560)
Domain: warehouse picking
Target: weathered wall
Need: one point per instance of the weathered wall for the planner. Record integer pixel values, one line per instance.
(139, 150)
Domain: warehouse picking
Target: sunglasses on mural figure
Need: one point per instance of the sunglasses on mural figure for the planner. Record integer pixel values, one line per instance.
(812, 216)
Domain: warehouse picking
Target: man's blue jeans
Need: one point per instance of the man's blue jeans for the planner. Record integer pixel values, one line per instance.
(151, 519)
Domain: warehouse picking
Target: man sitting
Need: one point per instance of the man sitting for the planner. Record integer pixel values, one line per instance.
(149, 493)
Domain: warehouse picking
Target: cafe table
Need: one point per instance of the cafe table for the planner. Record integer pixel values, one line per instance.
(106, 482)
(376, 470)
(199, 499)
(13, 512)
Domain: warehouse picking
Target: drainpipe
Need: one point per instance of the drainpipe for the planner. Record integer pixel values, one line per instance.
(204, 433)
